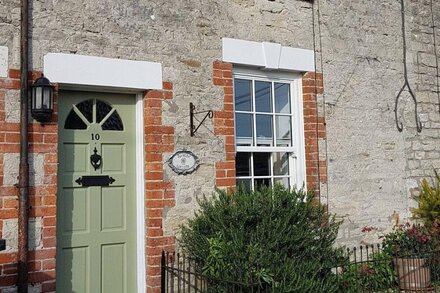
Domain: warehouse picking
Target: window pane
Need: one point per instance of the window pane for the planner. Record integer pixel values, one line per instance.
(102, 109)
(263, 96)
(86, 108)
(264, 130)
(282, 181)
(243, 164)
(282, 98)
(73, 121)
(281, 163)
(113, 122)
(284, 132)
(242, 90)
(243, 127)
(244, 183)
(262, 182)
(262, 164)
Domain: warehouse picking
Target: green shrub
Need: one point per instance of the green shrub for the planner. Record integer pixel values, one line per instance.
(376, 275)
(275, 237)
(428, 210)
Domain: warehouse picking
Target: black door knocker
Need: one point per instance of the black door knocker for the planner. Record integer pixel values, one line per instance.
(96, 159)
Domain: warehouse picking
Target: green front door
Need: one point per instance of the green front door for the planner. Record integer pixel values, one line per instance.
(96, 215)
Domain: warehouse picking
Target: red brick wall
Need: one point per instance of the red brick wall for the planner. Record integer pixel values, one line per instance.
(224, 125)
(314, 130)
(42, 199)
(159, 139)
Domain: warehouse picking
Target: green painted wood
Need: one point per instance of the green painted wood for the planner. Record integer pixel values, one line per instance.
(96, 226)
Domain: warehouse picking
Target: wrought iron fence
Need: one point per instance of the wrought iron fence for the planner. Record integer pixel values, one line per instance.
(181, 274)
(371, 269)
(365, 269)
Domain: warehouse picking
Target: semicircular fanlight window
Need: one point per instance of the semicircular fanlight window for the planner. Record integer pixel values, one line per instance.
(83, 114)
(113, 122)
(80, 116)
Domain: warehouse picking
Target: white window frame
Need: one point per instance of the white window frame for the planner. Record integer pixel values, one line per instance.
(297, 165)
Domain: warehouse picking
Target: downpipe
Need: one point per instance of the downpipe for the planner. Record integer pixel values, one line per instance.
(23, 180)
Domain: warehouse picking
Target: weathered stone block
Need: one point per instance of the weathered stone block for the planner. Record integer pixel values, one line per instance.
(35, 288)
(11, 166)
(10, 233)
(3, 61)
(12, 106)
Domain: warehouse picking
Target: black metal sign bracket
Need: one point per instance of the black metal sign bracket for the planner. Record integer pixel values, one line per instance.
(192, 112)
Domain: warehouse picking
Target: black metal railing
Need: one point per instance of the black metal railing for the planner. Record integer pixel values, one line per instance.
(181, 274)
(364, 269)
(372, 269)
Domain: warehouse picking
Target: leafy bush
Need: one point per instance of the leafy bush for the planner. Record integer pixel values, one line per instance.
(275, 237)
(428, 200)
(376, 275)
(408, 240)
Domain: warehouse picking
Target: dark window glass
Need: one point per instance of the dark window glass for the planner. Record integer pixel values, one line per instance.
(242, 90)
(262, 164)
(244, 184)
(283, 181)
(283, 130)
(282, 98)
(243, 129)
(243, 164)
(262, 182)
(264, 130)
(281, 163)
(263, 94)
(73, 121)
(113, 122)
(102, 109)
(86, 108)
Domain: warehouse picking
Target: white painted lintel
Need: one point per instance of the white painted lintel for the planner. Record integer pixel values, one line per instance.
(268, 56)
(71, 70)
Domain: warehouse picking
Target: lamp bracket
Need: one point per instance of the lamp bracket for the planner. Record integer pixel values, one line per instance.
(192, 112)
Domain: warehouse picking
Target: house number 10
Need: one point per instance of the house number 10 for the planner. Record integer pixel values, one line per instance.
(95, 136)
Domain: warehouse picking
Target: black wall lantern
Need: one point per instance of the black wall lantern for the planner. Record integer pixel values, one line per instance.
(42, 99)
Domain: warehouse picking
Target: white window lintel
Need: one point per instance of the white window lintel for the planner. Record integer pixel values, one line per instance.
(266, 55)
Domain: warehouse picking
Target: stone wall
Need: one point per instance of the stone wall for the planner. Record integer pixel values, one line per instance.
(371, 168)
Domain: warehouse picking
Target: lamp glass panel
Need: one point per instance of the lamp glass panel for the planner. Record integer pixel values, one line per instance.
(38, 98)
(46, 98)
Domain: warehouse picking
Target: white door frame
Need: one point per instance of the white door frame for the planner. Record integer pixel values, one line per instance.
(104, 75)
(140, 198)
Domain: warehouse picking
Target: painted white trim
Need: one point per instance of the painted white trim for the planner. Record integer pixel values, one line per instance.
(269, 56)
(100, 72)
(114, 75)
(298, 168)
(140, 198)
(301, 149)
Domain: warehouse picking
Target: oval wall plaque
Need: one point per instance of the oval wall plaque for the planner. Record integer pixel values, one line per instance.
(183, 162)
